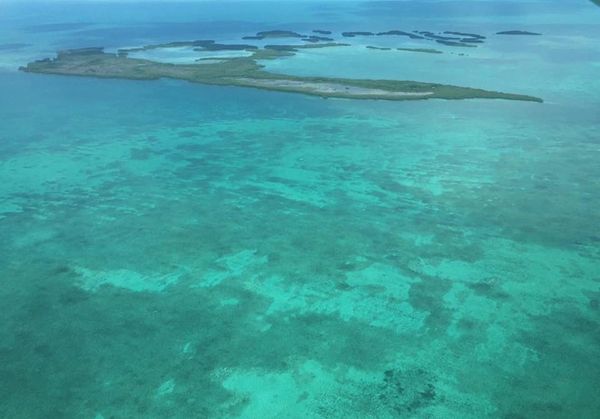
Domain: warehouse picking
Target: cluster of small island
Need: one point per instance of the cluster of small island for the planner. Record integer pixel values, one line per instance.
(247, 71)
(291, 34)
(449, 38)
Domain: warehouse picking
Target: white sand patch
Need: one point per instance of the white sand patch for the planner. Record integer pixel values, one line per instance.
(91, 280)
(296, 393)
(7, 208)
(231, 266)
(378, 295)
(276, 395)
(329, 88)
(297, 192)
(166, 388)
(229, 302)
(34, 237)
(267, 392)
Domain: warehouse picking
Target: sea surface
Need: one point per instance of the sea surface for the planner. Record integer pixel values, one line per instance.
(176, 250)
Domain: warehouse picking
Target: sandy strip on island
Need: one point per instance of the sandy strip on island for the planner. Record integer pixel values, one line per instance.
(326, 88)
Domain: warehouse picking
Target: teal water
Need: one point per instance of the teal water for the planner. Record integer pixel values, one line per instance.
(177, 250)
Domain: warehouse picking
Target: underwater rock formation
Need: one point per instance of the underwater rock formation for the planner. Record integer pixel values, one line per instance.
(322, 32)
(406, 392)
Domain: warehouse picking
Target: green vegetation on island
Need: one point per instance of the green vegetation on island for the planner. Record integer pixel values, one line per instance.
(471, 41)
(458, 39)
(465, 34)
(400, 33)
(275, 34)
(517, 33)
(378, 48)
(359, 33)
(315, 38)
(247, 72)
(279, 34)
(454, 43)
(431, 35)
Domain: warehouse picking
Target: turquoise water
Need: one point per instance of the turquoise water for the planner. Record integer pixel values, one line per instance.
(178, 250)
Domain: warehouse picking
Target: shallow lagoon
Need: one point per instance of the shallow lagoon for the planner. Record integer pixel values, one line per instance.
(176, 249)
(185, 55)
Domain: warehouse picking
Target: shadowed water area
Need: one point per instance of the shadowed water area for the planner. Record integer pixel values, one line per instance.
(170, 249)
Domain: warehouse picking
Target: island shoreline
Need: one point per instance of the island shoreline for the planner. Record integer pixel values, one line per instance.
(248, 72)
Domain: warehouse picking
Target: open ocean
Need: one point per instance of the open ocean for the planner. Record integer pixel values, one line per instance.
(176, 250)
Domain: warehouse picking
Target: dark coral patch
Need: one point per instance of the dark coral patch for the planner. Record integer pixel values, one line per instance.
(406, 391)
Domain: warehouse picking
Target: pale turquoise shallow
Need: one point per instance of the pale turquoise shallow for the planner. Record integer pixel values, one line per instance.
(175, 250)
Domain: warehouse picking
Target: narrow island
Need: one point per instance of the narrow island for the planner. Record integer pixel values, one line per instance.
(359, 33)
(378, 48)
(274, 35)
(465, 34)
(316, 38)
(246, 71)
(454, 43)
(457, 39)
(400, 33)
(423, 50)
(518, 33)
